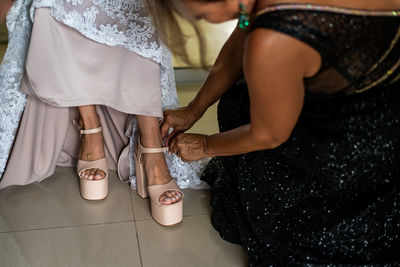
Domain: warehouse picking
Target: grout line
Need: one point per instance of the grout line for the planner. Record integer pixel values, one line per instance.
(136, 229)
(62, 227)
(194, 215)
(184, 216)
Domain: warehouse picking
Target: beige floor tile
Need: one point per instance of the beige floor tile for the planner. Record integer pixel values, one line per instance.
(193, 243)
(97, 245)
(56, 202)
(196, 202)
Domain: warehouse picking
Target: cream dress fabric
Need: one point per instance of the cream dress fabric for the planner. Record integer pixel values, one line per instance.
(65, 69)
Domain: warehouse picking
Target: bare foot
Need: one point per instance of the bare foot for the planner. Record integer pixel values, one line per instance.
(91, 148)
(157, 173)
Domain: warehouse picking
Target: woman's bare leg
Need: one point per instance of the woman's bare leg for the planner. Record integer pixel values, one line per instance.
(156, 167)
(92, 145)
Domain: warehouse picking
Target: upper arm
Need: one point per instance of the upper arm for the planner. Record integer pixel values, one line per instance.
(275, 65)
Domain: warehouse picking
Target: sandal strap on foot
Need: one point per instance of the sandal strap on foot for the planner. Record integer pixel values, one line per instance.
(92, 131)
(88, 131)
(149, 150)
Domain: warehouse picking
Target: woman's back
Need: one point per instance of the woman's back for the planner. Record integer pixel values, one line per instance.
(359, 48)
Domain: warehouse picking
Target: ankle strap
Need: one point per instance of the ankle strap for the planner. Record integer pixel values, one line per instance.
(92, 131)
(142, 150)
(151, 150)
(89, 131)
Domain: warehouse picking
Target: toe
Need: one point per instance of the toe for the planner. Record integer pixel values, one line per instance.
(91, 174)
(169, 194)
(165, 200)
(170, 197)
(99, 174)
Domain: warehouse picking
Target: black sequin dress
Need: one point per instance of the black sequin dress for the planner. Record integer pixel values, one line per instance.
(331, 193)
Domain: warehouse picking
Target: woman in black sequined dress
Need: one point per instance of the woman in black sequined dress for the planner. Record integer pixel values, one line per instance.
(306, 168)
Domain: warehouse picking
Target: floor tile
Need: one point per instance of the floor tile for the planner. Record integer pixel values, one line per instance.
(193, 243)
(56, 202)
(196, 202)
(97, 245)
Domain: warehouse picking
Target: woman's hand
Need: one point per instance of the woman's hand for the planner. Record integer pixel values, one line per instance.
(189, 147)
(179, 120)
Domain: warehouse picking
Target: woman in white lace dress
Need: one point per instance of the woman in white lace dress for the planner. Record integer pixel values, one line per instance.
(96, 61)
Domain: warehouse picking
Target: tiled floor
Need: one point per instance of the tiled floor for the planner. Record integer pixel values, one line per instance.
(49, 224)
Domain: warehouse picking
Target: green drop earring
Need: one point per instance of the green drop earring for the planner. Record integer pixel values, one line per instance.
(244, 17)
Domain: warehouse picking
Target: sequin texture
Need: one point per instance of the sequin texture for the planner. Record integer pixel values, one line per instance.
(330, 195)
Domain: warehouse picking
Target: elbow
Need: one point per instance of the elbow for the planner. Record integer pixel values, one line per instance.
(276, 142)
(269, 141)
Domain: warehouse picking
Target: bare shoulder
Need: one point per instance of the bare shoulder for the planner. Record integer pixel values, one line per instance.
(269, 47)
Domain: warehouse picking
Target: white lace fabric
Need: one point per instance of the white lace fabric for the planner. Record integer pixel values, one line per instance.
(125, 23)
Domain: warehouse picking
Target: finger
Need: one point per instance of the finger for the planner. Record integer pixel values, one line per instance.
(182, 157)
(171, 136)
(165, 128)
(173, 148)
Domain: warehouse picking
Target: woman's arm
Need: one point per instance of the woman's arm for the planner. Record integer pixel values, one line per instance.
(274, 65)
(226, 70)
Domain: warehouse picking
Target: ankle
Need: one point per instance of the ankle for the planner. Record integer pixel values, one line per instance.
(91, 122)
(151, 142)
(156, 169)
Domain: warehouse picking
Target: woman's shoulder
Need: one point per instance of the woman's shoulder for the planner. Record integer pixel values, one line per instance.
(283, 52)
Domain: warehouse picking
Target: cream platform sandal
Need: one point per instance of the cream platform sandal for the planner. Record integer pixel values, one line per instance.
(163, 214)
(92, 189)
